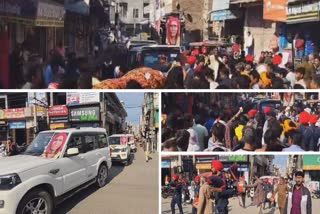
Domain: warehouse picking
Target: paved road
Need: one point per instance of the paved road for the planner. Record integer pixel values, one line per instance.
(234, 207)
(132, 189)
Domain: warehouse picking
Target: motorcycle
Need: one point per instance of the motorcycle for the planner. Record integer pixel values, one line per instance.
(166, 192)
(316, 194)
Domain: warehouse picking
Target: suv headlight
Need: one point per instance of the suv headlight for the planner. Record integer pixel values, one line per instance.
(123, 150)
(8, 182)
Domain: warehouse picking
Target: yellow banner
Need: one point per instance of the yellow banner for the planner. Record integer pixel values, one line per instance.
(203, 166)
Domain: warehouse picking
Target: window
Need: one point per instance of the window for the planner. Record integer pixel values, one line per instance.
(90, 142)
(102, 141)
(135, 13)
(146, 13)
(75, 142)
(123, 9)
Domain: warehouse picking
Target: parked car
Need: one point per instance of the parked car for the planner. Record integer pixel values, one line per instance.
(132, 142)
(148, 56)
(120, 148)
(56, 165)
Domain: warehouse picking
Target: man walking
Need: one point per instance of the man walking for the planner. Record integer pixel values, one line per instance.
(177, 186)
(299, 197)
(147, 148)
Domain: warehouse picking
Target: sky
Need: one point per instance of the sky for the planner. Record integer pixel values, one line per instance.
(133, 104)
(281, 161)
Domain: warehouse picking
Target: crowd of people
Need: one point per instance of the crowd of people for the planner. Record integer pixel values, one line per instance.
(196, 68)
(210, 193)
(202, 70)
(222, 129)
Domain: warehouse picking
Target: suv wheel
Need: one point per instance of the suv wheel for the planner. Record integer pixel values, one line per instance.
(102, 176)
(36, 201)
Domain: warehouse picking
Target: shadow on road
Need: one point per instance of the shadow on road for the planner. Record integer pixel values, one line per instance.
(68, 204)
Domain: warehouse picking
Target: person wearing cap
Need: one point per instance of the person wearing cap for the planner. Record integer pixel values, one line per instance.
(314, 146)
(299, 197)
(270, 116)
(196, 193)
(267, 187)
(221, 194)
(307, 134)
(258, 193)
(177, 195)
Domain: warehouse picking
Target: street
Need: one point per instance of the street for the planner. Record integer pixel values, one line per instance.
(233, 207)
(132, 189)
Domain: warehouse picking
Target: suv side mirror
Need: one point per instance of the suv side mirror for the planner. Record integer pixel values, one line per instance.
(72, 152)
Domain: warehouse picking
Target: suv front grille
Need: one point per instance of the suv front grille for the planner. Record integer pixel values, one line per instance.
(115, 150)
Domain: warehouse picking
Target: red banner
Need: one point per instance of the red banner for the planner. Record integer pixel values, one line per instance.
(275, 10)
(59, 110)
(14, 113)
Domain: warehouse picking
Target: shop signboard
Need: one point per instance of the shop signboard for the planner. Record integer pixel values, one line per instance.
(17, 125)
(311, 162)
(220, 5)
(303, 12)
(14, 113)
(275, 10)
(58, 110)
(59, 126)
(234, 158)
(222, 15)
(33, 12)
(2, 114)
(85, 114)
(165, 164)
(74, 98)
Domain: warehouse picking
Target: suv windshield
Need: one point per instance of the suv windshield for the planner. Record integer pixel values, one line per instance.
(151, 58)
(118, 140)
(48, 144)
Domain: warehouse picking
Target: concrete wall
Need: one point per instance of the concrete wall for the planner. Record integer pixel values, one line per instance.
(261, 30)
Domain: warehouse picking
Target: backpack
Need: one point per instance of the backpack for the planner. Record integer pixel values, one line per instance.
(240, 186)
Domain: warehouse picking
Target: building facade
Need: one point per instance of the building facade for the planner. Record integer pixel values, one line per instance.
(22, 115)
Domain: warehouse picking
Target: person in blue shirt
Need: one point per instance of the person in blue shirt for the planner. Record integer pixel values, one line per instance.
(210, 122)
(294, 140)
(177, 196)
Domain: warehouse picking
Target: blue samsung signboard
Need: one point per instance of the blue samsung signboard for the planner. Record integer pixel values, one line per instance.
(17, 125)
(222, 15)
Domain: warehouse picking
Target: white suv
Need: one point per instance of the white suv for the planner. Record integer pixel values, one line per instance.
(120, 148)
(56, 165)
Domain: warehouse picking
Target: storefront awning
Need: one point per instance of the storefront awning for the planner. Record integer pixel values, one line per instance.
(223, 15)
(41, 13)
(78, 6)
(244, 1)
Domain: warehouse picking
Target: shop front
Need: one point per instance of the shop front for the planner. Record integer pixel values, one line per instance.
(58, 117)
(311, 167)
(37, 24)
(303, 19)
(77, 25)
(165, 170)
(86, 115)
(16, 124)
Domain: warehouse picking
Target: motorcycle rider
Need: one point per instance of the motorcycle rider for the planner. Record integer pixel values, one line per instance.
(177, 186)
